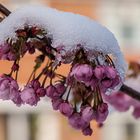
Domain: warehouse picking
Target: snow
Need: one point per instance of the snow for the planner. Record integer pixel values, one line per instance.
(67, 29)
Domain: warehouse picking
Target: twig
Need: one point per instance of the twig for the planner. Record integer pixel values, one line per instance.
(130, 92)
(4, 10)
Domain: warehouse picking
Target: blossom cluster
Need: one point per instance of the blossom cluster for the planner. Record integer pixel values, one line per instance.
(9, 90)
(79, 96)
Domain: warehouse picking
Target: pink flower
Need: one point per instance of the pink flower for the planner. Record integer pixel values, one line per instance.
(82, 73)
(99, 72)
(55, 91)
(66, 109)
(4, 49)
(56, 103)
(88, 114)
(41, 92)
(111, 72)
(60, 88)
(75, 120)
(8, 87)
(87, 131)
(118, 100)
(35, 84)
(107, 77)
(28, 96)
(15, 97)
(122, 102)
(11, 56)
(136, 112)
(102, 112)
(51, 91)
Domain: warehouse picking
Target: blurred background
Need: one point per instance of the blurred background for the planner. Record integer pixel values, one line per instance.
(122, 17)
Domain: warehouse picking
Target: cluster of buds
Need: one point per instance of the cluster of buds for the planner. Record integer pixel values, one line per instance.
(79, 96)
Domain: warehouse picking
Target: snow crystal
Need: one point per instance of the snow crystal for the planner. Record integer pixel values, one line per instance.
(67, 29)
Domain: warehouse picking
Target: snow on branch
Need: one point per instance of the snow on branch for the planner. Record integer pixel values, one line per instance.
(66, 29)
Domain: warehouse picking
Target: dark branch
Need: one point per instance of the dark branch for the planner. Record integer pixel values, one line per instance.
(130, 92)
(4, 10)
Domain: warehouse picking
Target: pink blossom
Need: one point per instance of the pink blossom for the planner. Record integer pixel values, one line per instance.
(7, 86)
(107, 77)
(75, 120)
(88, 114)
(82, 73)
(118, 100)
(35, 84)
(28, 96)
(87, 131)
(66, 109)
(56, 103)
(55, 91)
(102, 112)
(15, 97)
(41, 92)
(136, 112)
(122, 102)
(60, 88)
(110, 72)
(11, 56)
(4, 49)
(50, 91)
(99, 72)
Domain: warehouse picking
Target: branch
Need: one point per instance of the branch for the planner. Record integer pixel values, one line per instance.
(130, 92)
(4, 10)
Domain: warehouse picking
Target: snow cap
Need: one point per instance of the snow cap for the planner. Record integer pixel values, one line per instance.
(67, 29)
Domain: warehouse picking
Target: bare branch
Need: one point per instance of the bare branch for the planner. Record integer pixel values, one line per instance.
(4, 10)
(130, 92)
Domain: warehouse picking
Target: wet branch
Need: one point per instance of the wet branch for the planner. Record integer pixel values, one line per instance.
(4, 10)
(130, 92)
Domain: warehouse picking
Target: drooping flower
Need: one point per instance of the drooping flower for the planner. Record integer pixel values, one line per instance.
(60, 88)
(28, 96)
(122, 102)
(66, 109)
(51, 91)
(35, 84)
(102, 112)
(7, 86)
(55, 91)
(15, 97)
(88, 114)
(56, 103)
(87, 131)
(41, 92)
(82, 73)
(76, 121)
(4, 49)
(99, 72)
(107, 77)
(136, 112)
(118, 100)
